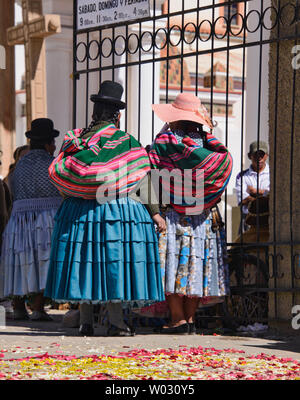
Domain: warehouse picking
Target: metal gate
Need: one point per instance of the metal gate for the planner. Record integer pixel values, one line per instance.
(218, 50)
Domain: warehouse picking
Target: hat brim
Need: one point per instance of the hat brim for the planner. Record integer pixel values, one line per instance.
(105, 99)
(168, 113)
(53, 135)
(259, 149)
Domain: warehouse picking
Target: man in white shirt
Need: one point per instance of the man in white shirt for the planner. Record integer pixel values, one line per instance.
(254, 181)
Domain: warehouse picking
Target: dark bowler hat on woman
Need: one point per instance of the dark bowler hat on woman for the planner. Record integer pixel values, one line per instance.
(111, 93)
(41, 129)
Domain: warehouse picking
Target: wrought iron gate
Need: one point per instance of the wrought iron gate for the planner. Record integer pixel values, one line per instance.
(219, 51)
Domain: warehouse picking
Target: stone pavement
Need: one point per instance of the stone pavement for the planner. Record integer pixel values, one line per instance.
(23, 339)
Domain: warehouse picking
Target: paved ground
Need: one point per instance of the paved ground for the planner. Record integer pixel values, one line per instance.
(23, 339)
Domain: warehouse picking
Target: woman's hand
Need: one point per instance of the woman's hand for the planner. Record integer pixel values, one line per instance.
(160, 222)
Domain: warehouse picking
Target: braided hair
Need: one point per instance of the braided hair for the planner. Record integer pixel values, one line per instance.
(203, 134)
(103, 112)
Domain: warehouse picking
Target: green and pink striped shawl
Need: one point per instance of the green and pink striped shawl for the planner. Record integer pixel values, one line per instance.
(212, 164)
(110, 157)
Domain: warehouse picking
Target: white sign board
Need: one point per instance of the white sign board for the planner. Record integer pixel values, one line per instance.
(91, 14)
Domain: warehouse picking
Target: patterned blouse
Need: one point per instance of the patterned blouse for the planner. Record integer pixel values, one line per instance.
(193, 135)
(30, 179)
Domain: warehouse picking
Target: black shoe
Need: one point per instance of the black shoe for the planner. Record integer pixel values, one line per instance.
(86, 330)
(192, 328)
(20, 315)
(176, 330)
(116, 331)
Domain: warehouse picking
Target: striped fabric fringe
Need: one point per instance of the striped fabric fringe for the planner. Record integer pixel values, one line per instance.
(212, 164)
(111, 160)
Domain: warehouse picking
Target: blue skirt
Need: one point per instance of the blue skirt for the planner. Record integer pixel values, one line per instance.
(26, 246)
(104, 252)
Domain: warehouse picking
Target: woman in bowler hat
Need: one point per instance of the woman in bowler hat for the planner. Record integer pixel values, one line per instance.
(104, 249)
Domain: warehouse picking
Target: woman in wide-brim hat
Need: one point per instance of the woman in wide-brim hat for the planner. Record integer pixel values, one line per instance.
(27, 237)
(193, 248)
(105, 250)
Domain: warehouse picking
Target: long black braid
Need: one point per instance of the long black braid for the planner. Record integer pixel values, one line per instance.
(103, 112)
(89, 128)
(185, 125)
(203, 134)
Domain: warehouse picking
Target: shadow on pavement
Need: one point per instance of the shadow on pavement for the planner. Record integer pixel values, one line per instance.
(290, 344)
(55, 328)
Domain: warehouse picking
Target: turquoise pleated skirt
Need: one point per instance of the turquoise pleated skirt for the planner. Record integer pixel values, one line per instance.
(104, 252)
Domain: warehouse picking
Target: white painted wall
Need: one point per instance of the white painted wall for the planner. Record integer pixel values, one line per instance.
(59, 51)
(19, 73)
(59, 62)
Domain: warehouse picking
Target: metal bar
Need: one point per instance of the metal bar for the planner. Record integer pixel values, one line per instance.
(126, 82)
(263, 244)
(113, 55)
(156, 17)
(240, 290)
(212, 63)
(139, 87)
(258, 125)
(168, 54)
(182, 48)
(242, 130)
(74, 64)
(153, 68)
(192, 54)
(226, 105)
(87, 85)
(275, 166)
(293, 274)
(100, 58)
(197, 50)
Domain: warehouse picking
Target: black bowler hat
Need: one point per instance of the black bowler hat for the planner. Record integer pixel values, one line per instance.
(42, 128)
(110, 92)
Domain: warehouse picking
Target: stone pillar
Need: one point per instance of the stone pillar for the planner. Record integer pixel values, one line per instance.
(7, 88)
(284, 128)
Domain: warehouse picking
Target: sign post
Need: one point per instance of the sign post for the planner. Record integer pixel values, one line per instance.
(91, 14)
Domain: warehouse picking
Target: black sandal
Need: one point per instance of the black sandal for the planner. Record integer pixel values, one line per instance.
(182, 329)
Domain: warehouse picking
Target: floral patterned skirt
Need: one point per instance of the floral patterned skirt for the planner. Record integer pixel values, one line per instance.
(193, 262)
(192, 256)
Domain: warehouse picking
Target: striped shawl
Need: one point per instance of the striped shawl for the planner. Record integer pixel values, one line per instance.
(212, 164)
(110, 159)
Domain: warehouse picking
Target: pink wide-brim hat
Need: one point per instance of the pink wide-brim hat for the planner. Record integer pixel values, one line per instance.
(186, 107)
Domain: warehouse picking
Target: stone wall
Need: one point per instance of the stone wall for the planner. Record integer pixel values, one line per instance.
(7, 90)
(284, 138)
